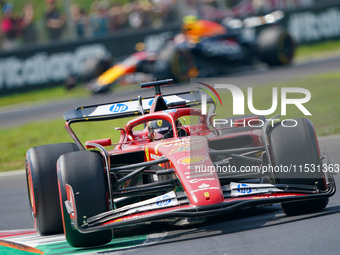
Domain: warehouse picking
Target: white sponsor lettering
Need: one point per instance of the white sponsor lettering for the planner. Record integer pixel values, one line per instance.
(308, 26)
(203, 185)
(204, 189)
(244, 189)
(42, 68)
(199, 180)
(154, 156)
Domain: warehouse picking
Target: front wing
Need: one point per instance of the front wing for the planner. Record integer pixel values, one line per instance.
(145, 211)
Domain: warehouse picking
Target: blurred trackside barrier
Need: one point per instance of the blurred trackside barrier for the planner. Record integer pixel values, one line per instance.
(314, 25)
(49, 65)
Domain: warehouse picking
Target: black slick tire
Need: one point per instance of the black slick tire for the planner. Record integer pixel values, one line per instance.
(42, 186)
(83, 171)
(297, 146)
(276, 47)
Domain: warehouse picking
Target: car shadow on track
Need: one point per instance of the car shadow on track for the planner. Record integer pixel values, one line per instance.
(244, 220)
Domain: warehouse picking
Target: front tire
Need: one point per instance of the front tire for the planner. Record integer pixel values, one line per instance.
(41, 178)
(295, 146)
(83, 171)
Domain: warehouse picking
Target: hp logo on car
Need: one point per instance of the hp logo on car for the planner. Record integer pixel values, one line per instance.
(117, 108)
(165, 200)
(243, 188)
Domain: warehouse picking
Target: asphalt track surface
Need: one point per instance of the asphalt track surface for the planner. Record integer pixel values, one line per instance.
(251, 231)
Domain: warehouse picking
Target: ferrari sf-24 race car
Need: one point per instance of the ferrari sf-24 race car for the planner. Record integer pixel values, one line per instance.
(203, 48)
(166, 167)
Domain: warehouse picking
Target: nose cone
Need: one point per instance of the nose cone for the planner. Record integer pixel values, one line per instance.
(190, 158)
(199, 179)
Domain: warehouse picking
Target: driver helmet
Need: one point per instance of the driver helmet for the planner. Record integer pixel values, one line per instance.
(192, 26)
(158, 129)
(189, 24)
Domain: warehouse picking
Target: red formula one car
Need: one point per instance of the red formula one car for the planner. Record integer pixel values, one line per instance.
(170, 164)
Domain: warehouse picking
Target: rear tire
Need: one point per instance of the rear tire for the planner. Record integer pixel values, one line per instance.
(276, 47)
(42, 186)
(297, 146)
(84, 172)
(176, 63)
(183, 66)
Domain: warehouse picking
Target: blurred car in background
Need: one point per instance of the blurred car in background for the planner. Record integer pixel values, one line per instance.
(203, 48)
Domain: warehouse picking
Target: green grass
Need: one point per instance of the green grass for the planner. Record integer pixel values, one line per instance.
(318, 49)
(18, 140)
(42, 96)
(52, 94)
(323, 105)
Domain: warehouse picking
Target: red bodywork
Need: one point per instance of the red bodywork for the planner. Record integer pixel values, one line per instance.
(190, 159)
(184, 154)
